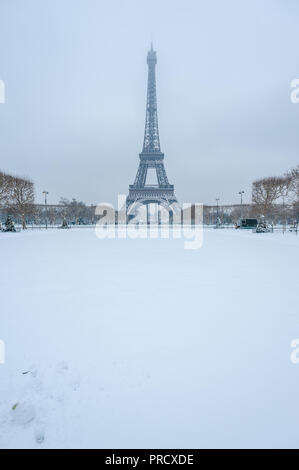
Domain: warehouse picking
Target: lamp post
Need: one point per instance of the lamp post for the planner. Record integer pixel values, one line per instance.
(241, 194)
(46, 194)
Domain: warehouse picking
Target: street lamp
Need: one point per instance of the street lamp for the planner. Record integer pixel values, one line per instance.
(46, 194)
(241, 194)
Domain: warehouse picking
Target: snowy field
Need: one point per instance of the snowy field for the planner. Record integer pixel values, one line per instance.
(140, 343)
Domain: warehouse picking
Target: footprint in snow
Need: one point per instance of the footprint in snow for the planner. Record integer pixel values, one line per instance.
(22, 413)
(46, 386)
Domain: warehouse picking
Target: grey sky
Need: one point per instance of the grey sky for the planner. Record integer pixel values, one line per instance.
(75, 75)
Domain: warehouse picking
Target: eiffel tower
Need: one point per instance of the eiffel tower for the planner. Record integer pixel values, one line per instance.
(151, 156)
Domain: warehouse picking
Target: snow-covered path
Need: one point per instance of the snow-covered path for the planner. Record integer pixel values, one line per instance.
(140, 343)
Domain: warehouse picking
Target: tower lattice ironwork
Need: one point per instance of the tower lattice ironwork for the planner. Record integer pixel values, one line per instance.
(151, 156)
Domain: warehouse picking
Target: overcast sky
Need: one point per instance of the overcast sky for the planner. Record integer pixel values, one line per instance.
(75, 74)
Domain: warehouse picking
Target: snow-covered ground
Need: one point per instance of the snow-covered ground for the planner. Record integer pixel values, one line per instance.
(140, 343)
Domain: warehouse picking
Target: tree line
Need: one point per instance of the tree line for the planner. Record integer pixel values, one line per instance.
(17, 200)
(72, 211)
(274, 198)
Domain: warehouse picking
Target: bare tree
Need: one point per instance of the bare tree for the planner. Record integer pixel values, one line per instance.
(6, 183)
(294, 175)
(295, 211)
(22, 198)
(74, 211)
(267, 191)
(294, 187)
